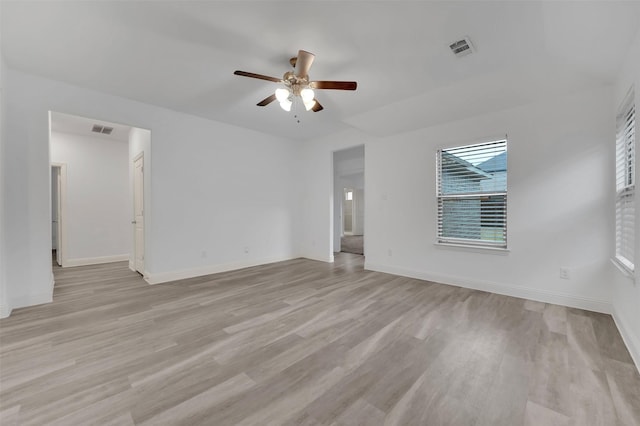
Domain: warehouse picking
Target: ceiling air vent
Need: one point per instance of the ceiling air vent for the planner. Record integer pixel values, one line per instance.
(102, 129)
(462, 47)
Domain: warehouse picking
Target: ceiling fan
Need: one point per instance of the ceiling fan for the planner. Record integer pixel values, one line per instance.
(296, 84)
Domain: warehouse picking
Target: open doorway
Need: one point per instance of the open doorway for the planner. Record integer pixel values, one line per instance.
(348, 200)
(58, 189)
(97, 175)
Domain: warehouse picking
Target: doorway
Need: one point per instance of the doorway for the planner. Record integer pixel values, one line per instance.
(348, 200)
(93, 215)
(138, 213)
(58, 195)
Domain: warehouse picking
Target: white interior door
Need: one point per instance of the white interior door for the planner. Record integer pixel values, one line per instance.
(138, 212)
(56, 210)
(58, 223)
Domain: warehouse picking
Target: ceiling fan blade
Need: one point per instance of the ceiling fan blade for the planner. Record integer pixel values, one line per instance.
(259, 76)
(317, 107)
(266, 101)
(303, 63)
(336, 85)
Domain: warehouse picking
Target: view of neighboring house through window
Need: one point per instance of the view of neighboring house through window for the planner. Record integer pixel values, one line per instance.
(625, 183)
(472, 194)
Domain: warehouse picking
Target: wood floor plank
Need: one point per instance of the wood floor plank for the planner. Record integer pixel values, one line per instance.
(307, 343)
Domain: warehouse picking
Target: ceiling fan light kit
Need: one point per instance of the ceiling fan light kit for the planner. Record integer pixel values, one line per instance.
(297, 84)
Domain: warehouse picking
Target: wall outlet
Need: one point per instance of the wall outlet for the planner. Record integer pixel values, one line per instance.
(565, 273)
(203, 254)
(246, 250)
(389, 253)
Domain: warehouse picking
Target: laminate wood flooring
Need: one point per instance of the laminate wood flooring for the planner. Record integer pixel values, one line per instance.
(352, 244)
(307, 343)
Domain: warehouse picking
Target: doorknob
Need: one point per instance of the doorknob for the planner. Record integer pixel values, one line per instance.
(133, 222)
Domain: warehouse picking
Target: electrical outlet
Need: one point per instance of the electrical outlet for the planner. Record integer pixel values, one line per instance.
(246, 250)
(203, 254)
(389, 253)
(564, 273)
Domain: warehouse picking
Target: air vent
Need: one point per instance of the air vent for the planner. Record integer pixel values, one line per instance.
(102, 129)
(462, 47)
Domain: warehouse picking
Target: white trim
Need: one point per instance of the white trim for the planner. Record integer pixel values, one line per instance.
(631, 341)
(623, 269)
(26, 301)
(132, 256)
(5, 310)
(31, 300)
(328, 259)
(96, 260)
(164, 277)
(473, 248)
(556, 298)
(474, 141)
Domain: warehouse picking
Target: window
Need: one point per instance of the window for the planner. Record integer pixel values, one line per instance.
(625, 183)
(348, 195)
(472, 195)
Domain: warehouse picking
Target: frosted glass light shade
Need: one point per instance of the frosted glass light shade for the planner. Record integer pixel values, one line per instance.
(282, 94)
(286, 105)
(306, 95)
(309, 104)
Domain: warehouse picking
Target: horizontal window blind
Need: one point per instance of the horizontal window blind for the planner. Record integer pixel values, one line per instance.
(472, 194)
(625, 183)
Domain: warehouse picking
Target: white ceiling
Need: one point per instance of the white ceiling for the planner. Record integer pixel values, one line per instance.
(181, 55)
(67, 123)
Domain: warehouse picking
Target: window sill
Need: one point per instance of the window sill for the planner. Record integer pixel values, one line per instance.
(628, 273)
(473, 249)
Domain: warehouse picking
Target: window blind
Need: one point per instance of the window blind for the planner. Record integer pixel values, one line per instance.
(625, 183)
(472, 194)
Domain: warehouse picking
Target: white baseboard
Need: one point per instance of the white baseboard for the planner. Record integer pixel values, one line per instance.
(632, 341)
(7, 306)
(31, 300)
(538, 295)
(328, 259)
(95, 260)
(163, 277)
(5, 310)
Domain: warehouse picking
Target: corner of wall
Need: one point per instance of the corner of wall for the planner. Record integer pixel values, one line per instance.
(521, 292)
(5, 310)
(630, 340)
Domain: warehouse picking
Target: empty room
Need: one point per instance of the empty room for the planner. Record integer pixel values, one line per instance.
(319, 213)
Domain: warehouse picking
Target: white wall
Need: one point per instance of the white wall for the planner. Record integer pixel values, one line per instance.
(626, 290)
(97, 204)
(215, 188)
(560, 167)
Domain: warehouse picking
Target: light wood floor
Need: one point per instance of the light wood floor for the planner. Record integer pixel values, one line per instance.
(307, 343)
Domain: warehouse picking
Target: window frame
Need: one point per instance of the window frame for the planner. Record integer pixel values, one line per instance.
(483, 245)
(625, 191)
